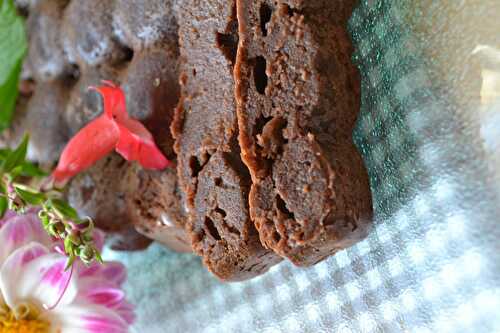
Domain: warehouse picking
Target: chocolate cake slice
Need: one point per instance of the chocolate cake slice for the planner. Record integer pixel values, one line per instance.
(298, 96)
(154, 201)
(211, 173)
(152, 204)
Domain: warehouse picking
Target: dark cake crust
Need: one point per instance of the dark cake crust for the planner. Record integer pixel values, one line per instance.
(298, 98)
(214, 179)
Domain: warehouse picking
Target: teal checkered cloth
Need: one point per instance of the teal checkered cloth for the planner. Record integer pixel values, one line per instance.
(429, 132)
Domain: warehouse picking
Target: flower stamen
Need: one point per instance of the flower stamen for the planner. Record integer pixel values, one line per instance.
(24, 319)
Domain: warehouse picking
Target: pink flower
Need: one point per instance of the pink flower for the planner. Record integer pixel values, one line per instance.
(38, 295)
(112, 130)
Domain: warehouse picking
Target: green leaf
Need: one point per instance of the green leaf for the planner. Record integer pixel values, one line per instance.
(13, 46)
(3, 206)
(31, 197)
(14, 173)
(68, 246)
(98, 256)
(44, 218)
(28, 169)
(16, 157)
(4, 152)
(64, 210)
(8, 95)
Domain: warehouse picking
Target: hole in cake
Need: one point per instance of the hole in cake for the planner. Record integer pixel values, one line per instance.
(195, 166)
(212, 230)
(194, 72)
(228, 44)
(265, 16)
(73, 72)
(259, 75)
(281, 206)
(128, 54)
(220, 211)
(276, 236)
(289, 10)
(234, 161)
(260, 122)
(218, 181)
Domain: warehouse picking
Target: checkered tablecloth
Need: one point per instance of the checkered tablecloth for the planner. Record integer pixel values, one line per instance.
(429, 131)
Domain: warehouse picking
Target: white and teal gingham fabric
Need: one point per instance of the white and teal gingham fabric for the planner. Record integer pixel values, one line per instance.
(429, 131)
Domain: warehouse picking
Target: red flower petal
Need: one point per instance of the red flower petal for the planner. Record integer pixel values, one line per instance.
(90, 144)
(113, 129)
(113, 100)
(136, 144)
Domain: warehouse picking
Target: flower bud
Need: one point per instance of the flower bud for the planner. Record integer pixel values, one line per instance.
(87, 253)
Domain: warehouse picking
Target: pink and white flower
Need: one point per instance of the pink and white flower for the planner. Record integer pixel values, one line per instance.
(37, 295)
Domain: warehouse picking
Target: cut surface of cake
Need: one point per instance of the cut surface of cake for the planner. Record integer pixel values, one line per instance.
(298, 96)
(215, 181)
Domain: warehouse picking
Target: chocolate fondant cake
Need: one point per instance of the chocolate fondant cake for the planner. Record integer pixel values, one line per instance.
(211, 173)
(253, 100)
(298, 97)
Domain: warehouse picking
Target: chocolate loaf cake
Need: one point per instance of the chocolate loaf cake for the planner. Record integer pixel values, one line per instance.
(76, 44)
(215, 181)
(261, 96)
(154, 201)
(298, 96)
(150, 201)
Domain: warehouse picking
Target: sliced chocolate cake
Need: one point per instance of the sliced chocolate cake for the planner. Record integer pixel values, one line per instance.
(254, 101)
(215, 181)
(152, 202)
(298, 96)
